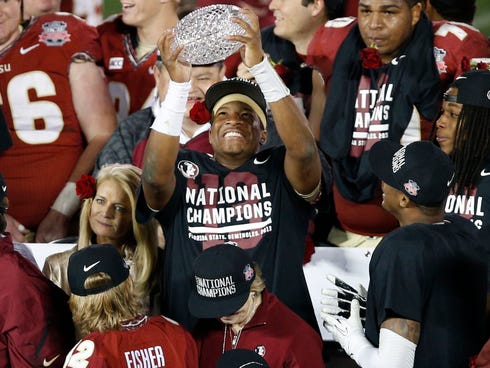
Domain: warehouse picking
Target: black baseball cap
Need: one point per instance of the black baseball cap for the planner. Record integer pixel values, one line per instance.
(473, 89)
(3, 187)
(241, 358)
(420, 170)
(237, 89)
(94, 259)
(222, 277)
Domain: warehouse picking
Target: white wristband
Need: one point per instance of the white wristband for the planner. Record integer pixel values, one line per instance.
(269, 81)
(67, 201)
(171, 113)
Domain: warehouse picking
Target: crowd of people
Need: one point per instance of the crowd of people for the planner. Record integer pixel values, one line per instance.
(196, 193)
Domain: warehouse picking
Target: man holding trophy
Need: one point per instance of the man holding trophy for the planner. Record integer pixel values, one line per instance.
(259, 201)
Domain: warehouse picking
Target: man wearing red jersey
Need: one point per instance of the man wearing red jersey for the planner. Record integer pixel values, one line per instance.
(59, 115)
(129, 50)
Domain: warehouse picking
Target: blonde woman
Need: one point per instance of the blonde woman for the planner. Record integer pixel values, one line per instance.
(114, 333)
(107, 216)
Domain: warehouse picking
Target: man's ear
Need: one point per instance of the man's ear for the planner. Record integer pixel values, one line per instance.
(404, 201)
(318, 7)
(416, 10)
(263, 137)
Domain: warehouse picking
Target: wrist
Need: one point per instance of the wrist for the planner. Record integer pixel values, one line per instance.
(269, 81)
(170, 115)
(67, 202)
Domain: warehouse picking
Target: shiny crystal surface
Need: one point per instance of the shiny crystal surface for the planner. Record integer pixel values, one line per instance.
(203, 33)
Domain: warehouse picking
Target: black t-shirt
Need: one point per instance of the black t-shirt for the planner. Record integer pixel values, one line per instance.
(475, 203)
(434, 274)
(253, 206)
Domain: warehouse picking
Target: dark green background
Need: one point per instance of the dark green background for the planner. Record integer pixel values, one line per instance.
(482, 19)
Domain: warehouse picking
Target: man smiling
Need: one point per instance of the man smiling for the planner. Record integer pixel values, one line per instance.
(239, 197)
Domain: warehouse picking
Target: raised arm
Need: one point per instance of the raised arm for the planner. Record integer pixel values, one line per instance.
(158, 179)
(302, 163)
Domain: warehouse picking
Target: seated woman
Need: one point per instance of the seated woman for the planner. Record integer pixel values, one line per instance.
(236, 311)
(107, 315)
(107, 216)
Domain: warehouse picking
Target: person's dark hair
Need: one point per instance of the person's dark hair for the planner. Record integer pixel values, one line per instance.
(333, 8)
(471, 145)
(412, 2)
(461, 11)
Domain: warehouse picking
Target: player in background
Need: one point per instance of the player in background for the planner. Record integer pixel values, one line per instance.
(59, 115)
(457, 44)
(129, 43)
(461, 131)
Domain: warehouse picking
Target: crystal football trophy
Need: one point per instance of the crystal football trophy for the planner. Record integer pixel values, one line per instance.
(204, 32)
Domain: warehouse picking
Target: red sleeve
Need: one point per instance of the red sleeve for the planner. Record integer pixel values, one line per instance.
(452, 43)
(325, 44)
(25, 292)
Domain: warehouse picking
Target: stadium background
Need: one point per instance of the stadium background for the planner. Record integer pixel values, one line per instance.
(482, 19)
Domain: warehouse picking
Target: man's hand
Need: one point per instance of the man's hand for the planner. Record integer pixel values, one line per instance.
(177, 70)
(348, 332)
(17, 230)
(338, 300)
(54, 226)
(251, 51)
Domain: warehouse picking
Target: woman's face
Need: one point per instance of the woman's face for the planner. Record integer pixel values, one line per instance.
(110, 214)
(243, 315)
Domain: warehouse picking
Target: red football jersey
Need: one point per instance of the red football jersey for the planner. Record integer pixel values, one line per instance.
(326, 41)
(37, 103)
(156, 343)
(455, 44)
(131, 81)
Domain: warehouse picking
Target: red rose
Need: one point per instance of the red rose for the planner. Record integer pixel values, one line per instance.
(86, 186)
(199, 113)
(371, 58)
(465, 64)
(482, 66)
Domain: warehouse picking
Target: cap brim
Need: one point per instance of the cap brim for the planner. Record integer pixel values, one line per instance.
(201, 307)
(380, 159)
(236, 86)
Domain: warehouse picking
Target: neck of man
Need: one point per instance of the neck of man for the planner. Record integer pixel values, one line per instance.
(14, 36)
(302, 40)
(416, 215)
